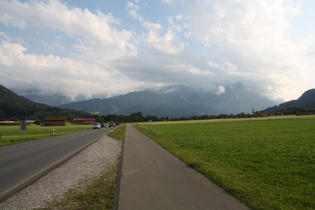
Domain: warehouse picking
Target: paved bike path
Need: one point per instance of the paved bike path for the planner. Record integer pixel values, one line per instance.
(152, 178)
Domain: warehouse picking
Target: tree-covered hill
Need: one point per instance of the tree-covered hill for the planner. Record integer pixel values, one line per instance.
(305, 101)
(13, 106)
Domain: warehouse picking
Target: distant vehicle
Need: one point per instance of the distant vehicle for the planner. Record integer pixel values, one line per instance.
(117, 123)
(111, 124)
(96, 126)
(103, 125)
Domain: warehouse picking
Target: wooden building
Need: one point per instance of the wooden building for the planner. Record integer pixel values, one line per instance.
(55, 121)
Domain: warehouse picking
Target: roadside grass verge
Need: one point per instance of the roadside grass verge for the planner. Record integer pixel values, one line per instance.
(98, 192)
(268, 163)
(13, 134)
(91, 193)
(118, 133)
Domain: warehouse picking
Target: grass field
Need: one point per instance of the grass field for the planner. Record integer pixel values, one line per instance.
(267, 163)
(13, 134)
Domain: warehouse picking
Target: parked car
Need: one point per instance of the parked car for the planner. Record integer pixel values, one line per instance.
(96, 126)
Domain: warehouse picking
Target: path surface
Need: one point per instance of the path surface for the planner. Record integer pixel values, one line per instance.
(152, 178)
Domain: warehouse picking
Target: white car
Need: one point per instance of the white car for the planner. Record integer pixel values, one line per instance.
(96, 126)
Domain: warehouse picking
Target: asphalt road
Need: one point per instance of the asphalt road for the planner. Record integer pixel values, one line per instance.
(22, 164)
(152, 178)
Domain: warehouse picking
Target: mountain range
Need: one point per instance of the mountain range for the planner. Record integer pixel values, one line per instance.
(171, 101)
(177, 101)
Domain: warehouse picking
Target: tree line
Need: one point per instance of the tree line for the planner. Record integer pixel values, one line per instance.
(133, 117)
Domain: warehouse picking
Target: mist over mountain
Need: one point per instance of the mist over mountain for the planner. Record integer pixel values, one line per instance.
(172, 101)
(52, 100)
(13, 106)
(177, 101)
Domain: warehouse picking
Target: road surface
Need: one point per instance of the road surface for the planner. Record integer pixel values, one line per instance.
(22, 164)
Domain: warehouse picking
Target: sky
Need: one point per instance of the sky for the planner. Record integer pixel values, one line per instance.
(104, 48)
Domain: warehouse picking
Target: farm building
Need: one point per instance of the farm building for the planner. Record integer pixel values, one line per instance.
(306, 112)
(9, 122)
(83, 121)
(263, 115)
(55, 121)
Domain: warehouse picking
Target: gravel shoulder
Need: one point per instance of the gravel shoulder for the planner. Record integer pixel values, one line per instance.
(90, 162)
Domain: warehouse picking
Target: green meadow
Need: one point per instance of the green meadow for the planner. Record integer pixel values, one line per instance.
(12, 134)
(268, 163)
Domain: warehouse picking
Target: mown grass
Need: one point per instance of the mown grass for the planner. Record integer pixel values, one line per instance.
(268, 164)
(13, 134)
(97, 192)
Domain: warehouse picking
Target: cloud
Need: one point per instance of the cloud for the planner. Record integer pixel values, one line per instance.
(168, 69)
(220, 90)
(52, 74)
(94, 32)
(156, 37)
(202, 43)
(133, 11)
(96, 43)
(253, 37)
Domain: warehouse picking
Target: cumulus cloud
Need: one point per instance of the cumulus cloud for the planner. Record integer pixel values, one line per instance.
(53, 74)
(94, 32)
(252, 40)
(156, 37)
(96, 43)
(203, 43)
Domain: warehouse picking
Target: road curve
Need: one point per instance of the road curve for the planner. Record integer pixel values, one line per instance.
(22, 164)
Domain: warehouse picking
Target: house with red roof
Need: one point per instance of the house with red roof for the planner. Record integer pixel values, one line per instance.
(55, 121)
(83, 121)
(263, 115)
